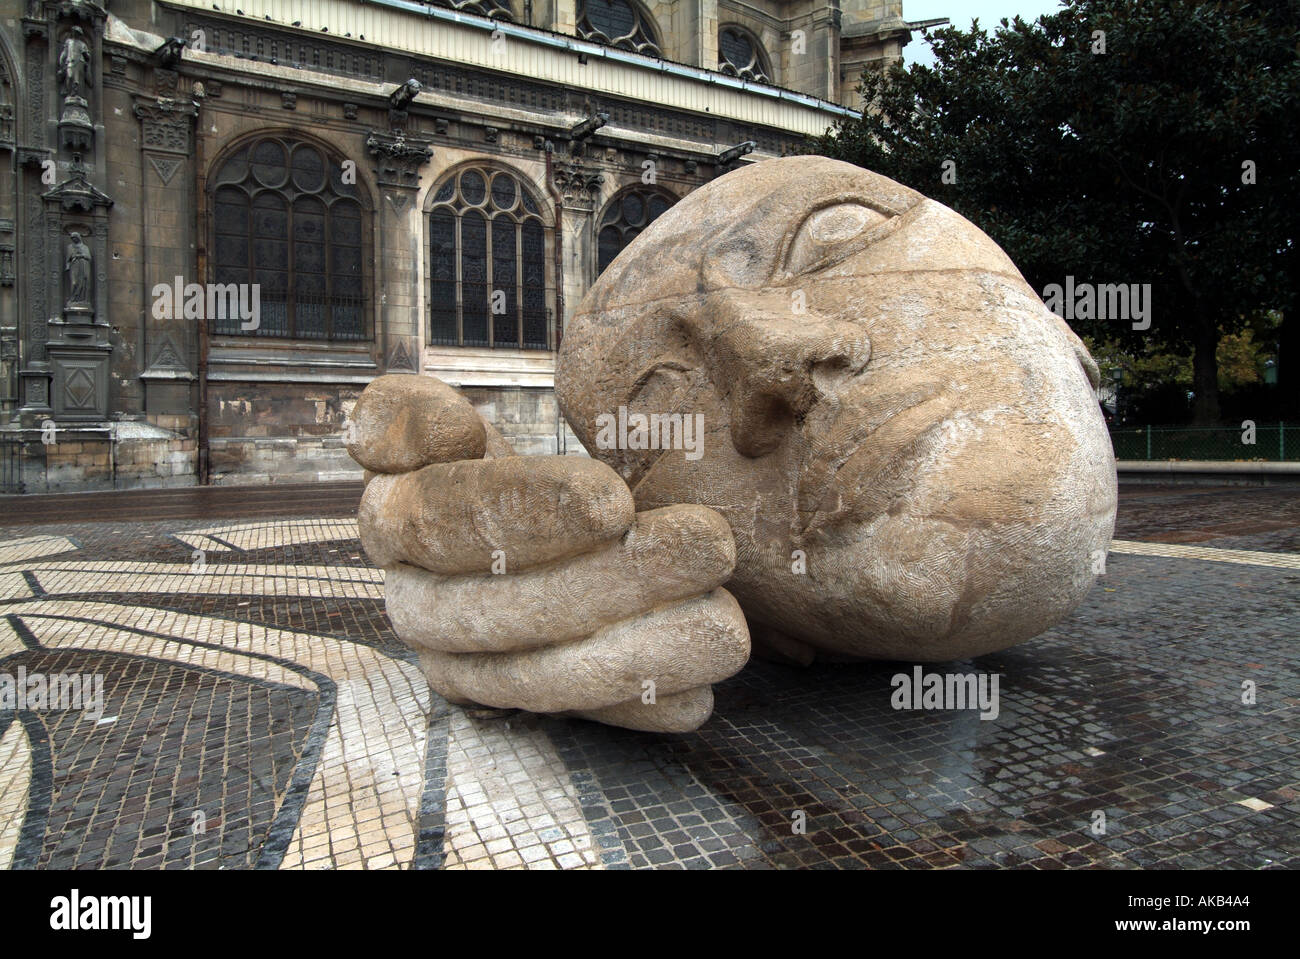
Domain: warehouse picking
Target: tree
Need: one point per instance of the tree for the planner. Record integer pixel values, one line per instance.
(1117, 141)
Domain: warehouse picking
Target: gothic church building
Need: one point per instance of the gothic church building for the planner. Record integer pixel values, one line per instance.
(220, 219)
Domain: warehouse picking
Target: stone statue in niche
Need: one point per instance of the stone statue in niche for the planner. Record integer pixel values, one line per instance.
(74, 66)
(75, 126)
(831, 421)
(78, 262)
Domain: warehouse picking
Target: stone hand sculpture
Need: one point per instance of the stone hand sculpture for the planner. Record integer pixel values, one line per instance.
(897, 446)
(532, 583)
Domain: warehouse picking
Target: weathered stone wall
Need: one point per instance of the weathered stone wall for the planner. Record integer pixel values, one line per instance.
(161, 450)
(279, 433)
(528, 418)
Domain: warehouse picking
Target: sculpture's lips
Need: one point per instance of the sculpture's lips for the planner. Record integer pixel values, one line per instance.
(882, 450)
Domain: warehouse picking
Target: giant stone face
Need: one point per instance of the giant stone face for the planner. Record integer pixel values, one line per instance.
(904, 441)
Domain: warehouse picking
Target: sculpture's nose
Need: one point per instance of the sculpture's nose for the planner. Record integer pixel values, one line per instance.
(775, 364)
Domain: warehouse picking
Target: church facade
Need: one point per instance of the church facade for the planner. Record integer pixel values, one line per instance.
(220, 219)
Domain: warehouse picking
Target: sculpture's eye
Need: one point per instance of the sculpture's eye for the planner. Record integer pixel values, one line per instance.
(657, 388)
(832, 233)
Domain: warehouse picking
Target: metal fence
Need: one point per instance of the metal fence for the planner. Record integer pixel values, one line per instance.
(1259, 442)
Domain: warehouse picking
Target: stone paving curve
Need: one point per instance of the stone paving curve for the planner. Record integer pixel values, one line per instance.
(256, 711)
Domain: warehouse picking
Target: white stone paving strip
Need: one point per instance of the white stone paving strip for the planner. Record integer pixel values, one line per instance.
(1207, 553)
(30, 547)
(338, 582)
(15, 777)
(9, 641)
(248, 536)
(510, 802)
(59, 633)
(14, 586)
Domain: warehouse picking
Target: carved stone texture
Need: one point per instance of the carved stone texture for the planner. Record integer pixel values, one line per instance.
(403, 354)
(76, 131)
(531, 582)
(349, 111)
(77, 193)
(398, 158)
(578, 184)
(38, 330)
(36, 93)
(164, 81)
(905, 442)
(80, 377)
(165, 166)
(166, 125)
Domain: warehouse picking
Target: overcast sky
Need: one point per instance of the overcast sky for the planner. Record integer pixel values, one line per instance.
(961, 12)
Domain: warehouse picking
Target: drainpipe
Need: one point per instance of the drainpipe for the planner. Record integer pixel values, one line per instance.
(201, 267)
(558, 200)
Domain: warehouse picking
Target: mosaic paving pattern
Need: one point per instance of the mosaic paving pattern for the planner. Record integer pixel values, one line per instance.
(258, 712)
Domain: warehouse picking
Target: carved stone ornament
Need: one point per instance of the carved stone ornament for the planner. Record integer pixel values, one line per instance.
(166, 123)
(398, 158)
(578, 184)
(77, 192)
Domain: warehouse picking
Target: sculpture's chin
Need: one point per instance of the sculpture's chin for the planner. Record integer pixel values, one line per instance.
(919, 590)
(988, 543)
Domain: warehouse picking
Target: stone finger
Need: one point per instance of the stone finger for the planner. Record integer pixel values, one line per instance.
(457, 518)
(404, 422)
(677, 713)
(701, 641)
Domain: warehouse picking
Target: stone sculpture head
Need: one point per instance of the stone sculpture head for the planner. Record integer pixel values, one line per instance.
(886, 404)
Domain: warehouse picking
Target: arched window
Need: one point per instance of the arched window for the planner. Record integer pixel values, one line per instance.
(498, 9)
(619, 23)
(487, 263)
(285, 220)
(741, 55)
(626, 215)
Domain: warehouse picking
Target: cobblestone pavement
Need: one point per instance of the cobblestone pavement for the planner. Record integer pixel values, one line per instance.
(257, 711)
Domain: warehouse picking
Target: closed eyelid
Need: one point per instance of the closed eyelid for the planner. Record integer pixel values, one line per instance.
(803, 253)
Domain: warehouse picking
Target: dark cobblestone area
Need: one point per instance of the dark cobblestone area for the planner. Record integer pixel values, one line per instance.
(1224, 517)
(1116, 712)
(1122, 739)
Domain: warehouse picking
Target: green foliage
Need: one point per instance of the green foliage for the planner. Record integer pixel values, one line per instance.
(1116, 167)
